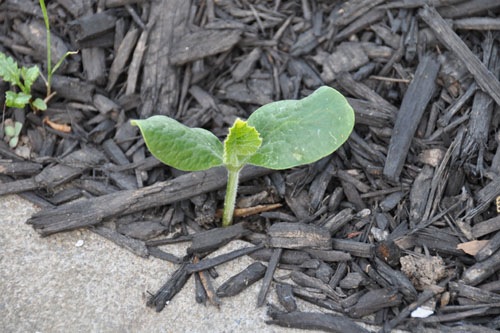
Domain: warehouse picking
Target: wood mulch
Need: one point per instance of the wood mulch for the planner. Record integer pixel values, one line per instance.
(399, 222)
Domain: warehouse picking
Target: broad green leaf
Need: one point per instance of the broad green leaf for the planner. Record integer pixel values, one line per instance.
(39, 104)
(184, 148)
(16, 100)
(29, 76)
(9, 70)
(303, 131)
(241, 143)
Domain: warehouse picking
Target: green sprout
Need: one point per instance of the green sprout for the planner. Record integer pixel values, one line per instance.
(279, 135)
(50, 70)
(12, 131)
(23, 78)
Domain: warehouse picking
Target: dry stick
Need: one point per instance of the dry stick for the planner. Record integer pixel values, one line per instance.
(484, 78)
(412, 108)
(212, 262)
(268, 277)
(89, 212)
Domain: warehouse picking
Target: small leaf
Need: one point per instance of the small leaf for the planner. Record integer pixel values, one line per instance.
(10, 131)
(29, 76)
(39, 104)
(9, 70)
(16, 100)
(300, 132)
(13, 142)
(18, 126)
(184, 148)
(241, 143)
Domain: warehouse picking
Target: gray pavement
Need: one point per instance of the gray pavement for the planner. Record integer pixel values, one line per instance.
(53, 285)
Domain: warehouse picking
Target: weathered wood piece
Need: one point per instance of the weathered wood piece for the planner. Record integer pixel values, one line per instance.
(169, 289)
(213, 239)
(490, 248)
(35, 35)
(212, 262)
(160, 254)
(69, 87)
(477, 23)
(142, 230)
(480, 271)
(305, 280)
(474, 294)
(362, 91)
(285, 296)
(485, 196)
(135, 246)
(486, 227)
(11, 168)
(329, 256)
(242, 280)
(356, 249)
(298, 235)
(288, 257)
(94, 65)
(484, 78)
(412, 108)
(94, 30)
(54, 175)
(92, 211)
(346, 57)
(467, 8)
(201, 44)
(206, 281)
(397, 279)
(375, 300)
(121, 57)
(159, 89)
(315, 321)
(268, 276)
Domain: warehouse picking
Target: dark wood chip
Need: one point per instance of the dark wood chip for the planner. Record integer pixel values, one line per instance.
(239, 282)
(315, 321)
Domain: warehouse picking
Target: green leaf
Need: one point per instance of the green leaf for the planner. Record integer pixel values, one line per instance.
(13, 142)
(300, 132)
(18, 126)
(184, 148)
(16, 100)
(39, 104)
(241, 143)
(29, 76)
(9, 70)
(10, 131)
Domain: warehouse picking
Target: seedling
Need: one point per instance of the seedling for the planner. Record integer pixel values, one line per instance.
(50, 70)
(279, 135)
(23, 78)
(12, 131)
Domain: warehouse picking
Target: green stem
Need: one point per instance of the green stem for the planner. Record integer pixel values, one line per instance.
(230, 200)
(49, 56)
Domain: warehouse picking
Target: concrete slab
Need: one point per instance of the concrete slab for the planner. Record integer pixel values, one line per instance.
(52, 285)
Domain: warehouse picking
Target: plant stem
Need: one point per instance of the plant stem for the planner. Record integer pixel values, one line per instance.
(230, 200)
(49, 56)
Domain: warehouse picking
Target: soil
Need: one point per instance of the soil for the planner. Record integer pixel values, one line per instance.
(419, 176)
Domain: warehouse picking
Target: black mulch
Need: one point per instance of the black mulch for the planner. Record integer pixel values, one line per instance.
(401, 218)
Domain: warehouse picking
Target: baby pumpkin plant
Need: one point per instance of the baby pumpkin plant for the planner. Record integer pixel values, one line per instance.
(278, 135)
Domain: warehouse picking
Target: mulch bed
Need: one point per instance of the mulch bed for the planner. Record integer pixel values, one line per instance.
(400, 221)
